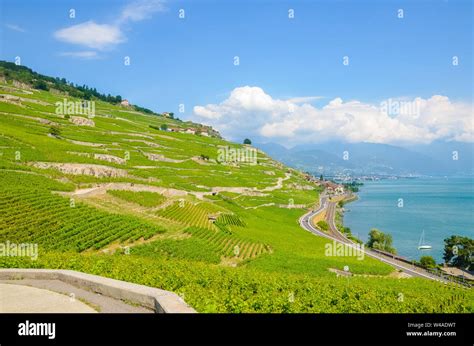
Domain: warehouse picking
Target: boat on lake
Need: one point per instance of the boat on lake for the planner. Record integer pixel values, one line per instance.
(421, 244)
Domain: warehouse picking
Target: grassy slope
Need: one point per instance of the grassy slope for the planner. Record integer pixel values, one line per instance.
(276, 259)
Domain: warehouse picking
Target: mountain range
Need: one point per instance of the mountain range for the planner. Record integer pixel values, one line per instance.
(335, 157)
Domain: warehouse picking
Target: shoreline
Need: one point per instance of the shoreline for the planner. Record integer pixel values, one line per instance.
(379, 210)
(341, 211)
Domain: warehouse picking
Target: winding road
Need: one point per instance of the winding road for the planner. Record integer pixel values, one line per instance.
(335, 235)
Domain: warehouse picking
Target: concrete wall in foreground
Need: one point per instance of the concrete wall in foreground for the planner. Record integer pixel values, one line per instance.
(160, 301)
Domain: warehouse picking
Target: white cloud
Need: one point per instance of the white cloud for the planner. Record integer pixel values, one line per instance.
(249, 111)
(106, 36)
(207, 113)
(15, 27)
(91, 35)
(87, 54)
(141, 9)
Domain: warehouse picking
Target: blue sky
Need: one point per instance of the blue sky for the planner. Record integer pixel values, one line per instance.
(190, 60)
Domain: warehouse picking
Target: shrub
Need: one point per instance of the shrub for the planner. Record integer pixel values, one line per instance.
(323, 225)
(55, 131)
(427, 262)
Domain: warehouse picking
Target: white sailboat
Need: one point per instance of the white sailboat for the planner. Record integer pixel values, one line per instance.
(421, 244)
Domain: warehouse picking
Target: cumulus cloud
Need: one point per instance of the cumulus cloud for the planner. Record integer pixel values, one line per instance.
(249, 111)
(91, 35)
(106, 36)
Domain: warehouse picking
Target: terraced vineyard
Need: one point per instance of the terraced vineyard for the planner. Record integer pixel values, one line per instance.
(225, 222)
(229, 246)
(36, 215)
(230, 220)
(143, 198)
(211, 288)
(188, 214)
(222, 237)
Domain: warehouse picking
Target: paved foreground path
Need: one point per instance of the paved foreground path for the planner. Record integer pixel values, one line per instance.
(98, 302)
(25, 299)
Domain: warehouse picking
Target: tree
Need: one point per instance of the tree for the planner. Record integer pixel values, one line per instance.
(41, 85)
(380, 241)
(427, 262)
(458, 252)
(163, 127)
(321, 178)
(55, 131)
(247, 141)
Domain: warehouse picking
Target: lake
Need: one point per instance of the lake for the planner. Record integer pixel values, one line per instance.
(439, 206)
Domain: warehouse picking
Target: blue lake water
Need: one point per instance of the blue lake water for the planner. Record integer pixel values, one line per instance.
(439, 206)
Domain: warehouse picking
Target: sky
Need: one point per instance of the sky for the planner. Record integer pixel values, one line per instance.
(284, 71)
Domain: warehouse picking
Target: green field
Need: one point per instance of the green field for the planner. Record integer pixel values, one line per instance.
(218, 233)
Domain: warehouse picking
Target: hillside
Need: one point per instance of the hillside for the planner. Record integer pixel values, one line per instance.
(106, 189)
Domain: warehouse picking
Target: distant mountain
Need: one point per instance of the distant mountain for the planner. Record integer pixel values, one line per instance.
(377, 159)
(275, 150)
(458, 157)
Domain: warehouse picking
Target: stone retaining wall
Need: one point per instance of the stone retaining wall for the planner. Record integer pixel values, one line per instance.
(160, 301)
